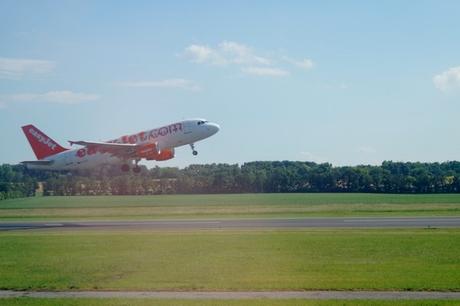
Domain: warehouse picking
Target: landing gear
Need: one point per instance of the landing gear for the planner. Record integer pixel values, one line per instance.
(136, 168)
(125, 167)
(194, 152)
(129, 165)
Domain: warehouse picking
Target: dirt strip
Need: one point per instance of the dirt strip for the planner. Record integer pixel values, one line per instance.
(314, 295)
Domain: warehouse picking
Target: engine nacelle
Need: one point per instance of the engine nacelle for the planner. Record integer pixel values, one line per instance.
(165, 154)
(150, 152)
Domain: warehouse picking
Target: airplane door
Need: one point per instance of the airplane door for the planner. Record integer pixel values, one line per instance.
(187, 127)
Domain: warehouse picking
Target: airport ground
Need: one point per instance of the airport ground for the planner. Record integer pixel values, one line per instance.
(179, 302)
(231, 206)
(229, 260)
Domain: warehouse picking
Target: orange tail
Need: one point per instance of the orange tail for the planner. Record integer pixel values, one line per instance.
(42, 145)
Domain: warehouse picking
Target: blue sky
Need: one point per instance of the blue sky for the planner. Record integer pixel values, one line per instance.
(347, 82)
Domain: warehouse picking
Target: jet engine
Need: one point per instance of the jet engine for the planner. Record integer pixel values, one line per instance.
(150, 152)
(164, 154)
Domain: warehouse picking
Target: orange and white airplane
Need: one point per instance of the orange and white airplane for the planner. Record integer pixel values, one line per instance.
(126, 151)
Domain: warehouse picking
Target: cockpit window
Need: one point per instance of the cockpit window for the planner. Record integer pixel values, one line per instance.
(201, 122)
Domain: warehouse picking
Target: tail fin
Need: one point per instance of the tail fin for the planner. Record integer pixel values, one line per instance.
(42, 145)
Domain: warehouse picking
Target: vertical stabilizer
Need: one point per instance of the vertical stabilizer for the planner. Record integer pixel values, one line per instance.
(42, 145)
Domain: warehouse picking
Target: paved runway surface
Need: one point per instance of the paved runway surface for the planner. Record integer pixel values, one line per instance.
(317, 295)
(412, 222)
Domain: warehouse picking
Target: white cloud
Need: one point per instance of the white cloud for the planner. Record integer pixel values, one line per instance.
(305, 63)
(59, 97)
(241, 54)
(204, 54)
(227, 52)
(14, 68)
(230, 53)
(265, 71)
(448, 80)
(168, 83)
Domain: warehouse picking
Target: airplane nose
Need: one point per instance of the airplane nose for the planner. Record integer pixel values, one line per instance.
(213, 127)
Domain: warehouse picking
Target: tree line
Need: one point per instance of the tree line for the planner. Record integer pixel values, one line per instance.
(258, 177)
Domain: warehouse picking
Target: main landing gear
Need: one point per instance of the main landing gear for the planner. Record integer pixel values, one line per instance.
(126, 167)
(136, 168)
(194, 152)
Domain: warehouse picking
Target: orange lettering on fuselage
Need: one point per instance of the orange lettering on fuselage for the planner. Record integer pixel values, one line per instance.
(149, 135)
(81, 153)
(135, 138)
(91, 150)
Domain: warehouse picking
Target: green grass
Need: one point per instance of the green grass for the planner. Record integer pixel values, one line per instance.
(262, 302)
(229, 206)
(423, 259)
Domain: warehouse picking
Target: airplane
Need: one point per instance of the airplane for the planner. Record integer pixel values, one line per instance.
(126, 151)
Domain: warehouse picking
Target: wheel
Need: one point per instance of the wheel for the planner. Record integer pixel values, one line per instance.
(136, 169)
(125, 167)
(195, 152)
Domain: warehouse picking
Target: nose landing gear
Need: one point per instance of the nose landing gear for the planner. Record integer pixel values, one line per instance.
(194, 152)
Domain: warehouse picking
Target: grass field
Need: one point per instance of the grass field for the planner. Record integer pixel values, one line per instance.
(345, 259)
(232, 260)
(228, 206)
(263, 302)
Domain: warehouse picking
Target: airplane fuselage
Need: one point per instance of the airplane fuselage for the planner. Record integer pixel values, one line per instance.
(156, 144)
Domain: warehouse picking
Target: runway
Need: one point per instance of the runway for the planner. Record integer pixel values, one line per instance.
(238, 295)
(374, 222)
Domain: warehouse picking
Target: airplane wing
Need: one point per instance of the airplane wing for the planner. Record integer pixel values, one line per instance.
(123, 150)
(38, 162)
(107, 145)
